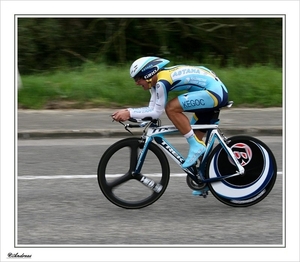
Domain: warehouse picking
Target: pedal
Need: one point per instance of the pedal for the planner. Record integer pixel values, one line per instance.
(203, 192)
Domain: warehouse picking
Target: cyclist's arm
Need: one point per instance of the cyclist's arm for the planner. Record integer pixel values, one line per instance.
(156, 105)
(152, 98)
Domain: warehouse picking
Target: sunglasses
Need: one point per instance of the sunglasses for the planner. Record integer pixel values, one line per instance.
(137, 78)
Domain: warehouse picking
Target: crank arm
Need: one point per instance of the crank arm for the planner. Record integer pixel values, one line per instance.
(193, 174)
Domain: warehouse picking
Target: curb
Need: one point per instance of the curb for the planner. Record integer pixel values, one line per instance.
(106, 133)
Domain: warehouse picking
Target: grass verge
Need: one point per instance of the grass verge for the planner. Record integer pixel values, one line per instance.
(93, 86)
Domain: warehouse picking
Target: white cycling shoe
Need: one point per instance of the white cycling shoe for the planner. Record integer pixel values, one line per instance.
(197, 148)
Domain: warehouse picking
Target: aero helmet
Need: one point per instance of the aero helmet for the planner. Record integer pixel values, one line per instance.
(147, 67)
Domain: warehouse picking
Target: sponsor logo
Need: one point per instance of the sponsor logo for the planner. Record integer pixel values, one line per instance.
(242, 152)
(134, 69)
(185, 71)
(193, 103)
(152, 73)
(142, 110)
(152, 64)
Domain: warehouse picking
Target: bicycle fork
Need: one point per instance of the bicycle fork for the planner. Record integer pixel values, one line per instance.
(146, 181)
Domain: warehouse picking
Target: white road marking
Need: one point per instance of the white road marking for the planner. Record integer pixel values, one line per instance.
(95, 176)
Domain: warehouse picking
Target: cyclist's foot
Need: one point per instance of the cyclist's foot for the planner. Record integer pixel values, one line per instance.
(197, 148)
(203, 192)
(197, 193)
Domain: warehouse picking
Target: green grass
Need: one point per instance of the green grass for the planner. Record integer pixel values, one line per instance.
(103, 86)
(258, 86)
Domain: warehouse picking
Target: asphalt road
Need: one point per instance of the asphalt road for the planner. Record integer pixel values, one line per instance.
(59, 203)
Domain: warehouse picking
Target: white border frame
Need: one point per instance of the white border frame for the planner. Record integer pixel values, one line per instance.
(289, 8)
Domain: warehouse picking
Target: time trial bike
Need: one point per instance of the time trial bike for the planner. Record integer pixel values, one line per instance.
(134, 172)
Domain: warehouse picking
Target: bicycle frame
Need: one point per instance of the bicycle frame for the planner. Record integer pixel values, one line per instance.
(158, 133)
(239, 171)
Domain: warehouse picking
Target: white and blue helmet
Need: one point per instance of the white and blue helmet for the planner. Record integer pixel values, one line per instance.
(147, 67)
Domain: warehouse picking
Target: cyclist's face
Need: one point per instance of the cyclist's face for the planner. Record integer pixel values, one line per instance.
(142, 82)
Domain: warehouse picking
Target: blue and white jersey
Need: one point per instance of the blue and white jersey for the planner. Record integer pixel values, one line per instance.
(203, 88)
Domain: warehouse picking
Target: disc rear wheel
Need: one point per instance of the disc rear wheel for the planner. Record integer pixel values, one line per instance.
(260, 172)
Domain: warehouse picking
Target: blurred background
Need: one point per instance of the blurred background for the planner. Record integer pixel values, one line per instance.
(107, 47)
(80, 63)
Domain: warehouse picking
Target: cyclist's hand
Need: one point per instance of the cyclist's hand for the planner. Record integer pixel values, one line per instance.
(121, 115)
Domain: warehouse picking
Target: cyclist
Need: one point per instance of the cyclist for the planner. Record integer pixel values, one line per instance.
(204, 93)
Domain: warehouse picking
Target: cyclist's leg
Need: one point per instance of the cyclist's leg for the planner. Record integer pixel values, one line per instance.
(201, 117)
(175, 113)
(199, 134)
(190, 102)
(205, 115)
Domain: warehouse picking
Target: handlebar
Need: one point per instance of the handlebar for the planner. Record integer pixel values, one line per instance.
(147, 119)
(144, 122)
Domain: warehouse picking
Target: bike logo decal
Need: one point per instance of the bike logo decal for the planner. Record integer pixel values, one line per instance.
(158, 130)
(169, 149)
(242, 152)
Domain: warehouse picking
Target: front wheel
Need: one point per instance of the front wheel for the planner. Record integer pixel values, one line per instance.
(260, 172)
(117, 181)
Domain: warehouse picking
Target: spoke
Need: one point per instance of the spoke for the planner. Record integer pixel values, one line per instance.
(133, 156)
(120, 180)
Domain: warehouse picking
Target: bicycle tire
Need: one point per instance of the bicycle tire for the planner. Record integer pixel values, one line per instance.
(125, 191)
(260, 172)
